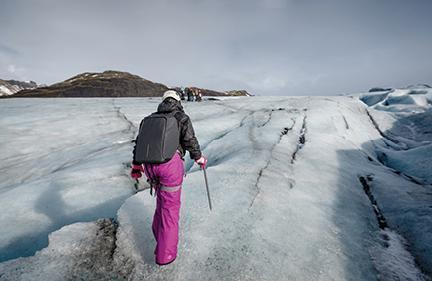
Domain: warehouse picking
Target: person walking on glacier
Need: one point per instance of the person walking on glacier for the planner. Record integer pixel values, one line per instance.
(162, 141)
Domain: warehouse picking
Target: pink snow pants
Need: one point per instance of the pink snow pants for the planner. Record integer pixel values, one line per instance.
(167, 214)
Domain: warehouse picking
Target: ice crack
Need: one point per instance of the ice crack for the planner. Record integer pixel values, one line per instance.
(283, 133)
(301, 141)
(132, 128)
(385, 137)
(378, 213)
(346, 122)
(393, 259)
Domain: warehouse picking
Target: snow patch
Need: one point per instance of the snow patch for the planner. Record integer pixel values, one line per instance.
(5, 91)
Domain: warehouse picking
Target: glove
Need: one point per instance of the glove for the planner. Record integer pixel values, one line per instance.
(136, 171)
(202, 161)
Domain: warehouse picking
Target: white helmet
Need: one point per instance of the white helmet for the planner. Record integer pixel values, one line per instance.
(171, 94)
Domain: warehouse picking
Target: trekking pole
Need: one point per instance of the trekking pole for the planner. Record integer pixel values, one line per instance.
(207, 187)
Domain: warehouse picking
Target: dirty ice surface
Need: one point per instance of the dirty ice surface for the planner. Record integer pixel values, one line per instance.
(303, 188)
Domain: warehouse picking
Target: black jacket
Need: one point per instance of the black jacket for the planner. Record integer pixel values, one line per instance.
(187, 141)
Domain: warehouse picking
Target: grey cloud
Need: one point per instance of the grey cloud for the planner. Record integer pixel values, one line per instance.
(269, 47)
(6, 50)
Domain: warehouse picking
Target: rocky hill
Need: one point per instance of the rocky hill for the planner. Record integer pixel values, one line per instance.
(105, 84)
(238, 93)
(109, 84)
(10, 87)
(212, 93)
(207, 92)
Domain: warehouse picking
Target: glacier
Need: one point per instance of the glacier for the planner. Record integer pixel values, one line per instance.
(303, 188)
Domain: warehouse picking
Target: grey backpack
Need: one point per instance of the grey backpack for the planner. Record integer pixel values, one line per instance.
(158, 138)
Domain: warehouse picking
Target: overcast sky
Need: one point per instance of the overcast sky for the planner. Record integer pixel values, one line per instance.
(268, 47)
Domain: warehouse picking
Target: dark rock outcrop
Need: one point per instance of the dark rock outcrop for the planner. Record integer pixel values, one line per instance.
(378, 89)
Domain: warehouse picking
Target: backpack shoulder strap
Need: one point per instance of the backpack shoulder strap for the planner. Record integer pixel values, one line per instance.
(180, 116)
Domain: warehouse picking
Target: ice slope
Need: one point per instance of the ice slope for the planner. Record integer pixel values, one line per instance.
(404, 118)
(62, 161)
(285, 181)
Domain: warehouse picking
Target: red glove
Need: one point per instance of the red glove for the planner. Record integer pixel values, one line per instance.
(202, 161)
(136, 171)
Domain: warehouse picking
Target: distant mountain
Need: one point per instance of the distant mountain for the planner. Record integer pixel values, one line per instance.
(10, 87)
(379, 89)
(419, 86)
(105, 84)
(109, 84)
(207, 92)
(238, 93)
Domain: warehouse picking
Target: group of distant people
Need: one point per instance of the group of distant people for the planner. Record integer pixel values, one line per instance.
(190, 94)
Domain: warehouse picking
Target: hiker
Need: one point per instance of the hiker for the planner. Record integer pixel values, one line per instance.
(189, 93)
(199, 96)
(182, 94)
(167, 177)
(194, 94)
